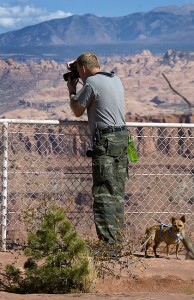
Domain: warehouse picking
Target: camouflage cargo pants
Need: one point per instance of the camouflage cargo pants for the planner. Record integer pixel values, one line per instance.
(110, 171)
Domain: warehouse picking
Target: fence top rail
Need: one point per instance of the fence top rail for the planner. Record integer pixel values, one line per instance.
(129, 124)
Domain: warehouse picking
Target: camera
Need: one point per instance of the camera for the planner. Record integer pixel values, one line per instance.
(73, 74)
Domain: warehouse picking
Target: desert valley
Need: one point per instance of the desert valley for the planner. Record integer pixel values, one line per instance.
(36, 90)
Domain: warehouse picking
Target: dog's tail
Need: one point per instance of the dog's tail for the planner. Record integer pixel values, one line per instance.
(148, 237)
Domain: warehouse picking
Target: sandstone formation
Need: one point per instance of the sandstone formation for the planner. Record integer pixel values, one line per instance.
(36, 90)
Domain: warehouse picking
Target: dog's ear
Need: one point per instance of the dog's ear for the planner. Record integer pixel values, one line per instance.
(183, 218)
(173, 219)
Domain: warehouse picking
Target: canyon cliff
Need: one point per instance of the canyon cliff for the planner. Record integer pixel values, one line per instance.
(36, 90)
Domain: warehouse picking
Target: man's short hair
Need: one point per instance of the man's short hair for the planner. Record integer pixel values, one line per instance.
(89, 60)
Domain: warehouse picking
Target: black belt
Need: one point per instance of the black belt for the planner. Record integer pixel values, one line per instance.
(112, 129)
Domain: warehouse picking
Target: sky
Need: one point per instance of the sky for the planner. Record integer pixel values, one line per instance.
(16, 14)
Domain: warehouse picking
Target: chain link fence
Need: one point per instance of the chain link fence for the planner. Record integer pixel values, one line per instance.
(46, 160)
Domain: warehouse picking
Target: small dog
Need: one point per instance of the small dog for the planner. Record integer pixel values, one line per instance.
(164, 233)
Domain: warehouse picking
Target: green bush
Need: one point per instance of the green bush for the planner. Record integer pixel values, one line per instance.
(58, 260)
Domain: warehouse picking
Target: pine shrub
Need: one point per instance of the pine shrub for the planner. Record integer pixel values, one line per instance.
(57, 259)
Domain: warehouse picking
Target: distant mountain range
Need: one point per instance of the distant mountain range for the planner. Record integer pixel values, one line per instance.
(158, 30)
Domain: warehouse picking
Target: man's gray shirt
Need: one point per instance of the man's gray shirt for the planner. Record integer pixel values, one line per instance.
(103, 96)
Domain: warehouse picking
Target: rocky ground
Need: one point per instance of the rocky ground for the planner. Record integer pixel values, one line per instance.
(151, 278)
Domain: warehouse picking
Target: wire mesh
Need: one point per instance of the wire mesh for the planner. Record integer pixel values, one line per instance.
(47, 159)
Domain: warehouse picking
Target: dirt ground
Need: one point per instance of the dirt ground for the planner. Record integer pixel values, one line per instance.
(152, 278)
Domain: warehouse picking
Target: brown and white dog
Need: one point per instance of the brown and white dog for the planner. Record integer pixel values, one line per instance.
(170, 234)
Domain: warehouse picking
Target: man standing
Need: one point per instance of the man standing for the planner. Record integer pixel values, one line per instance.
(102, 95)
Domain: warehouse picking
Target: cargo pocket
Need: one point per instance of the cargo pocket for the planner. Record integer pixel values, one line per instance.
(114, 148)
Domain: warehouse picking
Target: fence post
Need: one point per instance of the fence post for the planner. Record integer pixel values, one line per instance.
(4, 184)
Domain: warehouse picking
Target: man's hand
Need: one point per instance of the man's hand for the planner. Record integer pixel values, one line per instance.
(70, 63)
(71, 84)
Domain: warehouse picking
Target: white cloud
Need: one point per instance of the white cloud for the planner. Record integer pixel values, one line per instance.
(17, 16)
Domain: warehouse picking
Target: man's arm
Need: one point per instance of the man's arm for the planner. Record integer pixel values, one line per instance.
(76, 107)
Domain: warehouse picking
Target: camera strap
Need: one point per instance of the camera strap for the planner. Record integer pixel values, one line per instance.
(109, 74)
